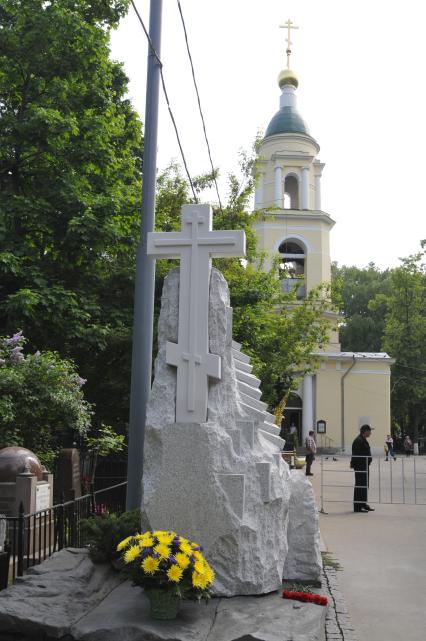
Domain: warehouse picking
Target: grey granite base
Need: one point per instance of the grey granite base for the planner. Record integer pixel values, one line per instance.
(87, 603)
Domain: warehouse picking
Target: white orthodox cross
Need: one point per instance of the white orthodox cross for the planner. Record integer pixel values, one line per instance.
(288, 25)
(194, 245)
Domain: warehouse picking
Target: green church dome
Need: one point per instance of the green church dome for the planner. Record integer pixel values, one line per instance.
(287, 120)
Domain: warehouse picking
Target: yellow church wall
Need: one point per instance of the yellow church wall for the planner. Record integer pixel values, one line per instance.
(366, 399)
(291, 153)
(312, 234)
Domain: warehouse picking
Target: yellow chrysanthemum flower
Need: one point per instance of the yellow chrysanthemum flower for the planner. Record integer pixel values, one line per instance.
(199, 581)
(123, 543)
(182, 560)
(132, 554)
(200, 567)
(150, 565)
(163, 550)
(146, 542)
(209, 574)
(166, 537)
(198, 555)
(186, 548)
(175, 573)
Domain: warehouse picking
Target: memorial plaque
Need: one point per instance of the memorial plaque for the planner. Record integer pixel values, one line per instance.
(42, 496)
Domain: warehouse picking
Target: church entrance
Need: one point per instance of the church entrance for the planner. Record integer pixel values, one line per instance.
(291, 424)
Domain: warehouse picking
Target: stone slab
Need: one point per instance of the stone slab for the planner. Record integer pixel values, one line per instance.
(69, 597)
(52, 596)
(124, 615)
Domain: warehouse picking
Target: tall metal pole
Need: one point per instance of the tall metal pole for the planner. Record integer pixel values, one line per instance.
(145, 274)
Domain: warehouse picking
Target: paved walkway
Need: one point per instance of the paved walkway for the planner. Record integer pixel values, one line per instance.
(382, 554)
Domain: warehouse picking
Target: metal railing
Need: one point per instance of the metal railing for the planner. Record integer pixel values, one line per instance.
(393, 481)
(32, 538)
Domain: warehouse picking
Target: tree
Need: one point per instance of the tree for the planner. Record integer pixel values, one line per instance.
(41, 400)
(70, 175)
(405, 340)
(353, 288)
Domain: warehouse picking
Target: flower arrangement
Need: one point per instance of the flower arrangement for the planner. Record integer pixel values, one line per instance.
(306, 597)
(167, 561)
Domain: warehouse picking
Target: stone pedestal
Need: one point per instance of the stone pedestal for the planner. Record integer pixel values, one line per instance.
(68, 480)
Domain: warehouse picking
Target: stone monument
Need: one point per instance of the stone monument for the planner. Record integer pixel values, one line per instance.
(23, 479)
(213, 469)
(68, 478)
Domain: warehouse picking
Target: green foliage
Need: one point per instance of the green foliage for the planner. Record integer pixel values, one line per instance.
(352, 290)
(386, 311)
(105, 442)
(70, 175)
(405, 339)
(104, 532)
(278, 332)
(41, 400)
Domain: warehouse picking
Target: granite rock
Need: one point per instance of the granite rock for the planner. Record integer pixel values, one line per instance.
(303, 561)
(206, 480)
(55, 594)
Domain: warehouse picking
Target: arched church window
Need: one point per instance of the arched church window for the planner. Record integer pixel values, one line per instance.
(291, 192)
(292, 267)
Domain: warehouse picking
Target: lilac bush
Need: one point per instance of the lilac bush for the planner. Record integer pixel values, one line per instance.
(42, 403)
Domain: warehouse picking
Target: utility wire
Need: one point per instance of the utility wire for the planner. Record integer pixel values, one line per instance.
(160, 64)
(199, 103)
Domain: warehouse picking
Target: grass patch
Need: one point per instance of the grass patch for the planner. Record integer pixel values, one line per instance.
(329, 562)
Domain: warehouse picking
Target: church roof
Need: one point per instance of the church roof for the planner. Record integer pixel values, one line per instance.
(287, 120)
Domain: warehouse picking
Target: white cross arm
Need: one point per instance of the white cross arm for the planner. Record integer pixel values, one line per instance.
(161, 244)
(227, 243)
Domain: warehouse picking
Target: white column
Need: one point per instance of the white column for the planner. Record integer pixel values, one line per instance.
(279, 187)
(308, 406)
(305, 188)
(258, 195)
(318, 193)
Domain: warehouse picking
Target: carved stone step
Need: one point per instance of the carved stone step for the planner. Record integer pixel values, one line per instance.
(276, 440)
(271, 418)
(243, 367)
(271, 428)
(253, 402)
(252, 413)
(246, 377)
(240, 356)
(254, 392)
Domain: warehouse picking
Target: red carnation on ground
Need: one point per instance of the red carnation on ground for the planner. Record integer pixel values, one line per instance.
(305, 597)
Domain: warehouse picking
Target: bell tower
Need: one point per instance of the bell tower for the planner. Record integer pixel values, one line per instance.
(290, 220)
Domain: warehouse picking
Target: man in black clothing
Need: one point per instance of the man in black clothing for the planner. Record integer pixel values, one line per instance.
(360, 462)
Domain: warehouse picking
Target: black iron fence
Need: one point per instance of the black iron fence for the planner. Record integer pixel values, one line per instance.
(32, 538)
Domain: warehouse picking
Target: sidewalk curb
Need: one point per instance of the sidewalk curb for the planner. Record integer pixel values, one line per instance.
(338, 624)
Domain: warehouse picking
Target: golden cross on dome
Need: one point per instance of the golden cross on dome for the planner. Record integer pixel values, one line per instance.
(288, 25)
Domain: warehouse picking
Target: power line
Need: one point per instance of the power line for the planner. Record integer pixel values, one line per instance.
(199, 102)
(166, 97)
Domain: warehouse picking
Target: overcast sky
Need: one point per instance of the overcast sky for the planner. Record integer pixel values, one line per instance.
(361, 69)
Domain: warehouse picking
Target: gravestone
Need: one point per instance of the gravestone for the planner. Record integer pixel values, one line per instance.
(23, 479)
(213, 470)
(68, 478)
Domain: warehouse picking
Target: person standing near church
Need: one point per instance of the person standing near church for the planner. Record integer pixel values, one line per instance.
(360, 463)
(311, 450)
(389, 447)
